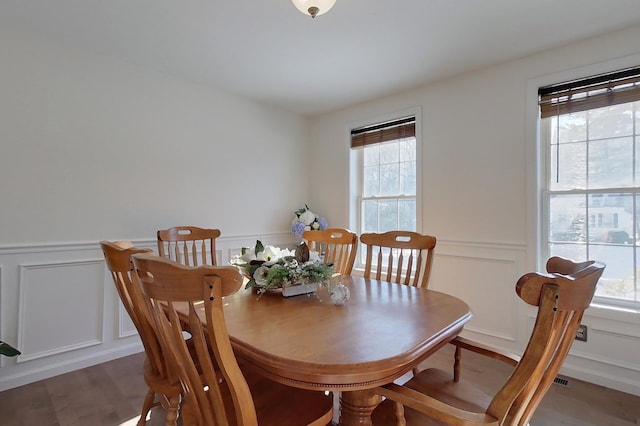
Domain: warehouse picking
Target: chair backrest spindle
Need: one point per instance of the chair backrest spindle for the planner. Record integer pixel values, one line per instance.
(336, 246)
(402, 257)
(189, 245)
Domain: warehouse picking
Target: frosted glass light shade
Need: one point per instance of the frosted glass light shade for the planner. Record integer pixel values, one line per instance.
(314, 8)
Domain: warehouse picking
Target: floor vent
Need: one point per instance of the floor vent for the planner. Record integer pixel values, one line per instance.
(561, 382)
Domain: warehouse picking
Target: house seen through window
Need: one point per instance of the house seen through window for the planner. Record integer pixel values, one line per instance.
(590, 131)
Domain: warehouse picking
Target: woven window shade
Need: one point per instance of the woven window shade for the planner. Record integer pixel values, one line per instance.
(594, 92)
(383, 132)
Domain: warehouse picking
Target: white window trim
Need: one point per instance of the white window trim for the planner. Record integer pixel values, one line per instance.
(355, 178)
(536, 160)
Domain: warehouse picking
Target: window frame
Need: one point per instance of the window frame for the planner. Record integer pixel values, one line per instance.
(356, 164)
(538, 177)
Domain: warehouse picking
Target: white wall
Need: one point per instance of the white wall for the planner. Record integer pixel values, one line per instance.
(95, 148)
(92, 148)
(478, 177)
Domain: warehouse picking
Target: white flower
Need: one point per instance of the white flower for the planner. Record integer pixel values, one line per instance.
(271, 254)
(249, 255)
(307, 217)
(315, 226)
(260, 276)
(273, 267)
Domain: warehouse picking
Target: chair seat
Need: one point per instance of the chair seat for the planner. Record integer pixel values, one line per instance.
(440, 385)
(275, 403)
(280, 405)
(160, 383)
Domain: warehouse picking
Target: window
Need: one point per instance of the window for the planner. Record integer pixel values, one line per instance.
(590, 131)
(385, 165)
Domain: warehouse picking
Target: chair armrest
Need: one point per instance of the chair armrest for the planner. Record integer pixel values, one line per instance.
(486, 350)
(433, 407)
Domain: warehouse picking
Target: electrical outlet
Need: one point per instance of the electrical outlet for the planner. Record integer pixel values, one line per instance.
(581, 334)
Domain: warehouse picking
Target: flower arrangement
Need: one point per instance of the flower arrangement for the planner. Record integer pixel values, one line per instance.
(272, 267)
(306, 220)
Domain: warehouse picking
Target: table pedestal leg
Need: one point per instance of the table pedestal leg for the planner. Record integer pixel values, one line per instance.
(356, 407)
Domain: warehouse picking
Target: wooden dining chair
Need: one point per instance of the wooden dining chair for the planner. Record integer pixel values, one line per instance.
(336, 246)
(189, 245)
(403, 257)
(436, 397)
(217, 392)
(164, 388)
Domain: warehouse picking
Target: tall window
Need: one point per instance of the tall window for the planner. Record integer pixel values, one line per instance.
(591, 198)
(386, 167)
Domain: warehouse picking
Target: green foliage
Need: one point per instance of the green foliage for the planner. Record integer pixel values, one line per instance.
(259, 247)
(271, 267)
(277, 273)
(286, 271)
(7, 350)
(302, 210)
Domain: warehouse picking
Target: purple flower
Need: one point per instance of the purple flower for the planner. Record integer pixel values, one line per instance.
(323, 223)
(297, 229)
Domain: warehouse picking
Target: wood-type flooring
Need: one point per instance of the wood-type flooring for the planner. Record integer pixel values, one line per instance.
(111, 394)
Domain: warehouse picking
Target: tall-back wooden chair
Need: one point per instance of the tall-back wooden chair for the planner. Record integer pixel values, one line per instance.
(434, 397)
(189, 245)
(217, 392)
(336, 246)
(403, 257)
(161, 383)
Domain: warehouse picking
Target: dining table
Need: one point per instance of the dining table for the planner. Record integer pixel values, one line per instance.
(382, 332)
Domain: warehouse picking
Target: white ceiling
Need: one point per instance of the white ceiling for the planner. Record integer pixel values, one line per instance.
(361, 49)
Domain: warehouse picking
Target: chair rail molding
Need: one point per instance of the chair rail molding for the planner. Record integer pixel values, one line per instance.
(58, 305)
(467, 269)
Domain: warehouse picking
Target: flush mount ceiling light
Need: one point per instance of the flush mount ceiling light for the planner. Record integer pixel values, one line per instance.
(314, 8)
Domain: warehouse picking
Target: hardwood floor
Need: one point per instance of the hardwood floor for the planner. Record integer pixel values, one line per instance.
(105, 394)
(580, 404)
(111, 394)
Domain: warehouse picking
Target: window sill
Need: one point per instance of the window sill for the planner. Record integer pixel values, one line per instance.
(615, 313)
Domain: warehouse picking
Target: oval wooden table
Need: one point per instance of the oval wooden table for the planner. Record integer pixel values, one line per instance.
(382, 332)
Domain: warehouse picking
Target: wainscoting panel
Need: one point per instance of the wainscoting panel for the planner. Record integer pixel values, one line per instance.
(126, 327)
(609, 356)
(610, 352)
(484, 277)
(601, 338)
(60, 307)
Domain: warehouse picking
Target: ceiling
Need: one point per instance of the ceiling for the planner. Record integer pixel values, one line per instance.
(360, 50)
